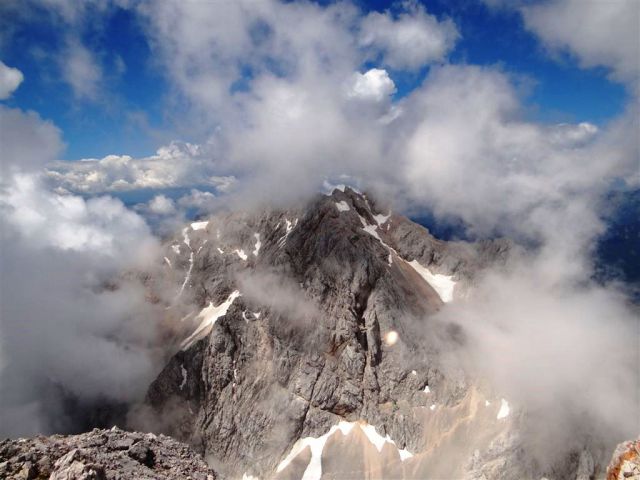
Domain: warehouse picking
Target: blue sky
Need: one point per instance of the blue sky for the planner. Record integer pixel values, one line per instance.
(137, 111)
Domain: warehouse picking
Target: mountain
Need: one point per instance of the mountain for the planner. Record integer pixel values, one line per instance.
(312, 350)
(305, 343)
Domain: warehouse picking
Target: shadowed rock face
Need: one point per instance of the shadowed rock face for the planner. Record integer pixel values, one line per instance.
(101, 455)
(290, 322)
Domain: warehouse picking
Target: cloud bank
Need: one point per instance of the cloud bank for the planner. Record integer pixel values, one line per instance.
(10, 79)
(73, 327)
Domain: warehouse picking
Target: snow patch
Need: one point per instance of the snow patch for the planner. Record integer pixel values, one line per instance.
(379, 441)
(432, 407)
(241, 254)
(442, 284)
(314, 469)
(220, 250)
(427, 389)
(184, 376)
(199, 225)
(343, 206)
(209, 316)
(504, 409)
(381, 219)
(289, 227)
(188, 276)
(256, 250)
(176, 249)
(371, 230)
(487, 403)
(167, 261)
(185, 237)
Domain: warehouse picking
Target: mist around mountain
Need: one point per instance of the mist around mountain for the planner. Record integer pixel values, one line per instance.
(272, 239)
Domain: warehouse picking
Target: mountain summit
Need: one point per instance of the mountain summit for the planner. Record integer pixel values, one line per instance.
(313, 350)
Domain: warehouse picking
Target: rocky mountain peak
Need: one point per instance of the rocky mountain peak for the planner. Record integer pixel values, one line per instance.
(296, 327)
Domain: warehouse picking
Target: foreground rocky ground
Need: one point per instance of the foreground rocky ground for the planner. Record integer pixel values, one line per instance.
(101, 455)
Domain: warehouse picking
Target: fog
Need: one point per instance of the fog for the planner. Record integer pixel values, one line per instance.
(75, 327)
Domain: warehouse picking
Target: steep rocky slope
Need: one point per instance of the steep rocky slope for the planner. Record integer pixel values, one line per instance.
(306, 348)
(101, 455)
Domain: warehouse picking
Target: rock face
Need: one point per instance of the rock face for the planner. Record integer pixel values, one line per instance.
(625, 463)
(289, 324)
(101, 455)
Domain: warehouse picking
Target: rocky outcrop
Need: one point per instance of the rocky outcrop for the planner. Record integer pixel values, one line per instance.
(305, 318)
(101, 455)
(625, 463)
(289, 324)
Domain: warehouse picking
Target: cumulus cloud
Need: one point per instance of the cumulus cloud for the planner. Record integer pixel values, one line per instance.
(536, 341)
(175, 165)
(373, 85)
(162, 205)
(81, 70)
(470, 149)
(199, 200)
(207, 51)
(72, 325)
(66, 331)
(27, 141)
(533, 327)
(598, 33)
(409, 40)
(10, 80)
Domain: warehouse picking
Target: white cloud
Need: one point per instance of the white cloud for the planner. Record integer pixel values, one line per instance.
(81, 70)
(66, 222)
(10, 80)
(536, 341)
(409, 40)
(207, 50)
(599, 33)
(373, 85)
(26, 141)
(62, 331)
(469, 151)
(175, 165)
(162, 205)
(201, 201)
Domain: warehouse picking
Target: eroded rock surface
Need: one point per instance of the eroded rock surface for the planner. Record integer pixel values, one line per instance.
(101, 455)
(625, 463)
(290, 323)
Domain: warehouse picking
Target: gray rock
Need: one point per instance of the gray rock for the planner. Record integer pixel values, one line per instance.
(309, 343)
(328, 292)
(99, 455)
